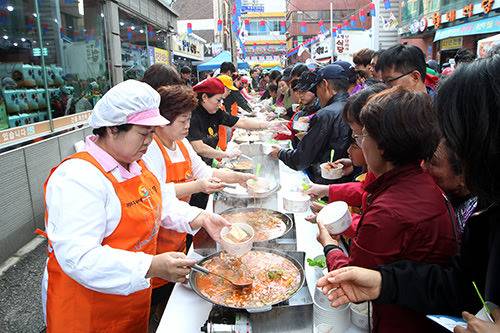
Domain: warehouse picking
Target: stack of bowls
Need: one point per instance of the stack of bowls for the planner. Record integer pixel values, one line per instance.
(359, 315)
(323, 313)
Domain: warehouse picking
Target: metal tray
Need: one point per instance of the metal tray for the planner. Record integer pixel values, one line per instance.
(268, 307)
(283, 217)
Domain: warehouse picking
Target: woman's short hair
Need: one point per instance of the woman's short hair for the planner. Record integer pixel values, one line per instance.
(101, 131)
(159, 75)
(468, 104)
(176, 100)
(355, 103)
(403, 124)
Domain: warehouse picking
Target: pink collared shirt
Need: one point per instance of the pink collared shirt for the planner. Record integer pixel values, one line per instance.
(107, 162)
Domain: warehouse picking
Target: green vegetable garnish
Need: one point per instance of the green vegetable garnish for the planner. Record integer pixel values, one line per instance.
(274, 274)
(319, 262)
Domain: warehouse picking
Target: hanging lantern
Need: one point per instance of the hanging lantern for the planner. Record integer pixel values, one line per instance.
(346, 23)
(219, 25)
(372, 9)
(129, 33)
(262, 25)
(354, 18)
(321, 25)
(282, 27)
(254, 46)
(339, 29)
(362, 15)
(387, 4)
(151, 31)
(189, 28)
(303, 27)
(334, 32)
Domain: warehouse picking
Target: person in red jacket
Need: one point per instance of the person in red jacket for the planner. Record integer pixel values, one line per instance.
(406, 215)
(353, 193)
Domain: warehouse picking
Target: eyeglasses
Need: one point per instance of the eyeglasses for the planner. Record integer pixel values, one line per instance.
(358, 138)
(389, 81)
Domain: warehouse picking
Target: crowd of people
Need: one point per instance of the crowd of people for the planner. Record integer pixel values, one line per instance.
(418, 150)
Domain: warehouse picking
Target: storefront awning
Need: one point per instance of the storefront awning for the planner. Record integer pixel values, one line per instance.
(214, 63)
(484, 26)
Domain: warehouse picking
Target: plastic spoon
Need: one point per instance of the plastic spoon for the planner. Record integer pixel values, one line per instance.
(241, 283)
(332, 152)
(257, 169)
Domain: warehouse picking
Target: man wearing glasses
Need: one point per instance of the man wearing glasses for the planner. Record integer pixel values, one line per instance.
(404, 65)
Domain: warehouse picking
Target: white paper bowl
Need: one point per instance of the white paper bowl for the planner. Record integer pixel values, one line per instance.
(237, 249)
(300, 126)
(296, 202)
(335, 217)
(267, 148)
(331, 173)
(259, 186)
(359, 315)
(266, 136)
(338, 317)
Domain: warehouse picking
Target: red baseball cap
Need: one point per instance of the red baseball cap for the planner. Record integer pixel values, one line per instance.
(210, 86)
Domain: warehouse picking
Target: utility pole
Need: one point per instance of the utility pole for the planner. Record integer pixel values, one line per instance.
(332, 39)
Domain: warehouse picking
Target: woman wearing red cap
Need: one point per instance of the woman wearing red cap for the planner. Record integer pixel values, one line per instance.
(207, 117)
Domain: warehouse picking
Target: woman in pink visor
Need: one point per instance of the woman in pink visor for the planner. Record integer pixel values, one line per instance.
(103, 211)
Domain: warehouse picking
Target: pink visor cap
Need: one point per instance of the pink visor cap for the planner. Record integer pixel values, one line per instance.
(129, 102)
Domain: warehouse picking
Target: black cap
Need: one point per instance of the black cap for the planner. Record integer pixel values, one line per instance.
(298, 69)
(287, 74)
(329, 72)
(349, 70)
(307, 82)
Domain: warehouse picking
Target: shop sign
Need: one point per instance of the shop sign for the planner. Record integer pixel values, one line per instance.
(414, 27)
(484, 26)
(451, 15)
(423, 24)
(437, 20)
(33, 131)
(161, 56)
(468, 10)
(487, 5)
(342, 44)
(451, 43)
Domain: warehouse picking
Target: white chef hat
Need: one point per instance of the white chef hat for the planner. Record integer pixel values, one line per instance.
(129, 102)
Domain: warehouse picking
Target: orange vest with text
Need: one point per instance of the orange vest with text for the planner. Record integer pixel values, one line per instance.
(71, 307)
(179, 172)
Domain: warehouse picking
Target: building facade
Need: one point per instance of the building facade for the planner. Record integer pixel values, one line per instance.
(307, 20)
(264, 36)
(441, 27)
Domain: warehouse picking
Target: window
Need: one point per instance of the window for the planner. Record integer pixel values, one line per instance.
(73, 47)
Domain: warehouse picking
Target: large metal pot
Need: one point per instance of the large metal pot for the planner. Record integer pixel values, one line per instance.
(283, 217)
(268, 307)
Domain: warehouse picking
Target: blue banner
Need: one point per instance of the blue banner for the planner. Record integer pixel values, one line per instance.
(252, 9)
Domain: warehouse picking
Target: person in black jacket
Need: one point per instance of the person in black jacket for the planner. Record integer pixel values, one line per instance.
(467, 104)
(327, 130)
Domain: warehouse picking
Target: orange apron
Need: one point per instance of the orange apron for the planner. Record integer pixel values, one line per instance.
(180, 172)
(73, 308)
(222, 131)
